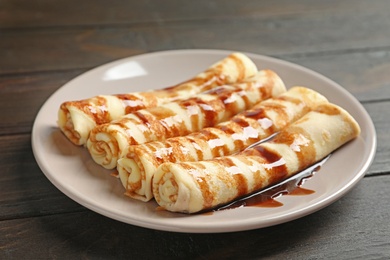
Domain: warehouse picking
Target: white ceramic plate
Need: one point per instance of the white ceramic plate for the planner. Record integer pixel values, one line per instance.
(72, 171)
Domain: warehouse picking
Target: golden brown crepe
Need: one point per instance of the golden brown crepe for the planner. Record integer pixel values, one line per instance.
(77, 118)
(138, 166)
(194, 186)
(108, 142)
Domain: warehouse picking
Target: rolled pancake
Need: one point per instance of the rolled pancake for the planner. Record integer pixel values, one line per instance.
(77, 118)
(138, 166)
(194, 186)
(108, 142)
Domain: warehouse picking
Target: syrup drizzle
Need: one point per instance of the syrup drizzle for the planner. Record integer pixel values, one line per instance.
(266, 197)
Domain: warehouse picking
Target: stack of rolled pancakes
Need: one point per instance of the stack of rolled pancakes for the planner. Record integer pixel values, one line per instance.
(195, 186)
(191, 153)
(77, 118)
(108, 142)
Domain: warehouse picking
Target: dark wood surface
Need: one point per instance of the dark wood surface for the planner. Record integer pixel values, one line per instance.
(44, 44)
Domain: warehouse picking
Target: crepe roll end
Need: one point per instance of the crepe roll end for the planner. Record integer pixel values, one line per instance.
(174, 191)
(123, 171)
(237, 67)
(332, 109)
(328, 127)
(103, 149)
(132, 178)
(75, 124)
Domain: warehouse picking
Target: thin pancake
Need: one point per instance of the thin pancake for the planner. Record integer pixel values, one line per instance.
(108, 142)
(77, 118)
(194, 186)
(138, 166)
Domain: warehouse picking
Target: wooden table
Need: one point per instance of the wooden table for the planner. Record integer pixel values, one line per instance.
(44, 44)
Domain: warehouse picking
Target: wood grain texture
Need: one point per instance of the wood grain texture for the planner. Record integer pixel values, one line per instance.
(21, 97)
(44, 13)
(337, 231)
(364, 74)
(379, 113)
(24, 189)
(279, 34)
(44, 44)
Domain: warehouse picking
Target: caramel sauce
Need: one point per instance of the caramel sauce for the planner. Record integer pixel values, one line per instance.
(269, 203)
(267, 197)
(115, 174)
(161, 113)
(294, 100)
(256, 113)
(161, 154)
(301, 191)
(163, 123)
(209, 112)
(96, 108)
(159, 208)
(240, 121)
(209, 79)
(198, 149)
(329, 110)
(150, 123)
(240, 67)
(279, 170)
(212, 77)
(298, 139)
(270, 200)
(240, 181)
(132, 103)
(121, 124)
(217, 146)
